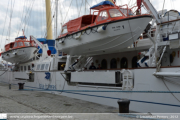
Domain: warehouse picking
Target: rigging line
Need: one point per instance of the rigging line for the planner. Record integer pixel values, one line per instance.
(96, 1)
(27, 20)
(5, 22)
(21, 18)
(170, 90)
(26, 9)
(85, 6)
(41, 19)
(129, 2)
(30, 19)
(163, 6)
(25, 15)
(89, 6)
(61, 15)
(88, 3)
(80, 9)
(10, 20)
(64, 9)
(77, 6)
(43, 14)
(67, 12)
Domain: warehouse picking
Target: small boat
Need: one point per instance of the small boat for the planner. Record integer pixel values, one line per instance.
(19, 51)
(112, 29)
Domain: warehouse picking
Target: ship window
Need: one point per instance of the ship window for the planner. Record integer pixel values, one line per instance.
(47, 65)
(38, 67)
(26, 43)
(24, 68)
(21, 68)
(20, 44)
(115, 13)
(64, 30)
(113, 63)
(29, 68)
(102, 16)
(134, 62)
(124, 63)
(42, 66)
(104, 64)
(15, 44)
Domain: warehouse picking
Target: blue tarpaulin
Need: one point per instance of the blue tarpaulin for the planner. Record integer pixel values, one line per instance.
(21, 37)
(102, 3)
(50, 43)
(42, 40)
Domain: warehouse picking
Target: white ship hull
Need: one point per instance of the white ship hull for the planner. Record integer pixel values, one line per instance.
(149, 94)
(19, 55)
(118, 35)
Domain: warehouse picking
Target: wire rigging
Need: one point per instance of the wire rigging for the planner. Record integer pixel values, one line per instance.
(80, 9)
(11, 13)
(21, 17)
(5, 21)
(27, 20)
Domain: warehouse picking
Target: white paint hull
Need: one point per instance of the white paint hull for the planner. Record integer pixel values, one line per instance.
(118, 35)
(19, 55)
(143, 101)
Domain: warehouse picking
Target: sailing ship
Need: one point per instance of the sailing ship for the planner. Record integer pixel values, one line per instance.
(146, 72)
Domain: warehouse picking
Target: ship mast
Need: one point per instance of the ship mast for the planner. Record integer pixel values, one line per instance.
(48, 20)
(56, 17)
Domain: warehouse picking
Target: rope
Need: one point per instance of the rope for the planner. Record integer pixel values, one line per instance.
(21, 18)
(105, 91)
(3, 73)
(12, 7)
(27, 20)
(169, 90)
(106, 97)
(5, 21)
(80, 9)
(67, 12)
(163, 6)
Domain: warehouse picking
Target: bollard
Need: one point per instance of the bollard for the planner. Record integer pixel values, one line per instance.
(21, 86)
(123, 105)
(9, 86)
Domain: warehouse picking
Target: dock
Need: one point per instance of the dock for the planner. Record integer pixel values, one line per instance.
(16, 102)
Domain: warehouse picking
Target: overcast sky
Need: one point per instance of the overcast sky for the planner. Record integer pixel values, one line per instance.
(30, 15)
